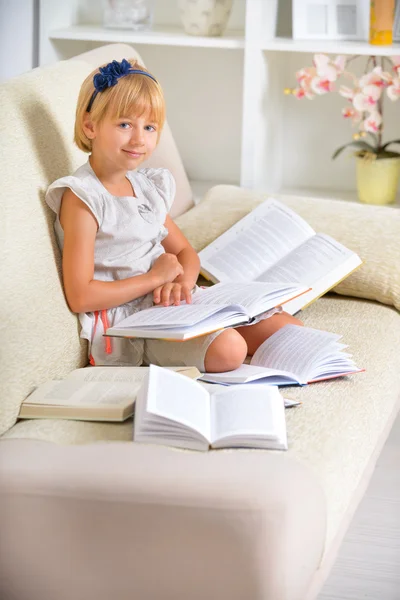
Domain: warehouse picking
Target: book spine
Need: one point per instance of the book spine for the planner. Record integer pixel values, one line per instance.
(381, 22)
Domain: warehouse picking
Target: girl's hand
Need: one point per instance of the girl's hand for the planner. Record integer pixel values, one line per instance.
(172, 293)
(166, 268)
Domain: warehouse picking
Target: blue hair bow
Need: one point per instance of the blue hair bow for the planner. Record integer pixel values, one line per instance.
(109, 75)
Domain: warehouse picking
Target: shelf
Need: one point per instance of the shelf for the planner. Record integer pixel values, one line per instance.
(329, 47)
(166, 36)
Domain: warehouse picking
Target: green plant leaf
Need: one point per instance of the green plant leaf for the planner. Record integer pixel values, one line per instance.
(388, 144)
(357, 144)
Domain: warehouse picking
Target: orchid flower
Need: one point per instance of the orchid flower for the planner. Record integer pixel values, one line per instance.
(372, 123)
(393, 90)
(353, 114)
(365, 95)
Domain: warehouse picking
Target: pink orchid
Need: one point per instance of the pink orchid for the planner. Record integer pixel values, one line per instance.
(340, 64)
(347, 92)
(372, 123)
(351, 113)
(396, 63)
(364, 96)
(373, 78)
(393, 91)
(299, 93)
(326, 70)
(367, 98)
(321, 86)
(304, 78)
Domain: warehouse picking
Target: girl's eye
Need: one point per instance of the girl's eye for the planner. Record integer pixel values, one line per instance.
(150, 128)
(124, 125)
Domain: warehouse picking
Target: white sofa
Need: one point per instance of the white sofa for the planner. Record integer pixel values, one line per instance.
(84, 512)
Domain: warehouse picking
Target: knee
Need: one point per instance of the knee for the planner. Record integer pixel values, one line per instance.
(290, 320)
(226, 352)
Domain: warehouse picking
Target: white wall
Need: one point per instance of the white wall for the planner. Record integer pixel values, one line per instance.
(17, 37)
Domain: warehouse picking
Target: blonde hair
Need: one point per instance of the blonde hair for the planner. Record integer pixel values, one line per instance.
(133, 94)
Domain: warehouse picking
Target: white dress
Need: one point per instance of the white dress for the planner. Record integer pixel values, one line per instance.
(128, 241)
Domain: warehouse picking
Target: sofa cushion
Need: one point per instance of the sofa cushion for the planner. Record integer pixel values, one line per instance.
(338, 419)
(166, 154)
(371, 231)
(39, 336)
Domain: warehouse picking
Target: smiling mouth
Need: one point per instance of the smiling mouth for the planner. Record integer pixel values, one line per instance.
(133, 153)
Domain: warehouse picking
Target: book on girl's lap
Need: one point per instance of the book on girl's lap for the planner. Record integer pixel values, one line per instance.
(90, 394)
(294, 355)
(177, 411)
(272, 243)
(216, 307)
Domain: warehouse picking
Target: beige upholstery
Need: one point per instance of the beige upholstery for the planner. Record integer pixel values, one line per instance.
(97, 520)
(41, 340)
(123, 522)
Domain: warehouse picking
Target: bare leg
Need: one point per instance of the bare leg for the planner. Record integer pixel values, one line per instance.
(255, 335)
(226, 352)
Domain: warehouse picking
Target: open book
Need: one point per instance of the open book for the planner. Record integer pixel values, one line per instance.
(294, 355)
(216, 307)
(178, 411)
(272, 243)
(90, 394)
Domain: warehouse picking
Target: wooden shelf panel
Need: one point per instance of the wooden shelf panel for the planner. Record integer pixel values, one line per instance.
(166, 36)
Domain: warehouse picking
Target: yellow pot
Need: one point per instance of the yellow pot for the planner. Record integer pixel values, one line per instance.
(377, 180)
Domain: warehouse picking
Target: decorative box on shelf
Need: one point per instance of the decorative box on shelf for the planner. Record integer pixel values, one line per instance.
(331, 19)
(134, 15)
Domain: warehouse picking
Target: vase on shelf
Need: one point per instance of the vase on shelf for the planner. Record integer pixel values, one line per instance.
(205, 17)
(377, 180)
(136, 15)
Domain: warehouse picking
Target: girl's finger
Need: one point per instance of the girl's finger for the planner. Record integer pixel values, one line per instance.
(177, 294)
(187, 294)
(166, 293)
(157, 294)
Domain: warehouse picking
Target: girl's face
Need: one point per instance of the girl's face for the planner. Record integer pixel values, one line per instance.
(123, 143)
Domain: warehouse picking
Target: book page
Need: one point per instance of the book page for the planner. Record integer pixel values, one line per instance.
(295, 349)
(255, 243)
(247, 296)
(245, 410)
(76, 393)
(168, 317)
(309, 262)
(178, 398)
(135, 375)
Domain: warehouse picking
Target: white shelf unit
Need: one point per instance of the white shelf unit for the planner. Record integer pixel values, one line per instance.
(225, 100)
(158, 36)
(283, 44)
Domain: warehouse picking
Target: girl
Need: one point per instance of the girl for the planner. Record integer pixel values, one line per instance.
(121, 250)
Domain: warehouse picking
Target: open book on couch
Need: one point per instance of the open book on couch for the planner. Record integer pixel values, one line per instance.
(91, 394)
(177, 411)
(293, 355)
(272, 243)
(213, 308)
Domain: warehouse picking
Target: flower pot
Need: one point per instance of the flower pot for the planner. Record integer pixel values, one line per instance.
(205, 17)
(377, 180)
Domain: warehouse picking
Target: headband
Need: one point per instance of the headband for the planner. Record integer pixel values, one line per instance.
(109, 75)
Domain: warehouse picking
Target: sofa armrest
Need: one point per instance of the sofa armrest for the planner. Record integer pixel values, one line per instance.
(135, 521)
